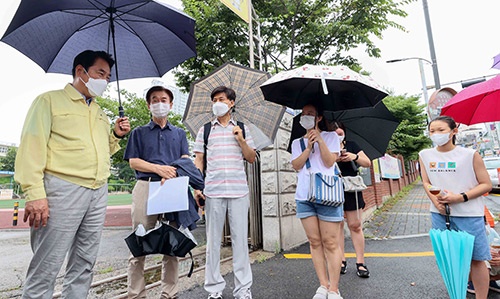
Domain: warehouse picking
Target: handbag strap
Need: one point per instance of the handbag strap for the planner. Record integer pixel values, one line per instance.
(354, 167)
(303, 146)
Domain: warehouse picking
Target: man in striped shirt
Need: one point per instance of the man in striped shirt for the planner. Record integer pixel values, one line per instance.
(226, 189)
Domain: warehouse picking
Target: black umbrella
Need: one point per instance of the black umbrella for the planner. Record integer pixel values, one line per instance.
(371, 128)
(146, 38)
(336, 87)
(163, 239)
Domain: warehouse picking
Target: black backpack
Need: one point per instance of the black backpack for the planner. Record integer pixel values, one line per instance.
(206, 133)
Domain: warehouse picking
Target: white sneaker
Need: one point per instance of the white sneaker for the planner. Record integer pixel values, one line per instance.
(333, 295)
(216, 295)
(321, 293)
(246, 294)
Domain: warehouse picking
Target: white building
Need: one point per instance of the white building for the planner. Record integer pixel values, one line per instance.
(4, 148)
(180, 98)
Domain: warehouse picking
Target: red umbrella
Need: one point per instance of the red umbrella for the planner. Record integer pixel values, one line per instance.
(478, 103)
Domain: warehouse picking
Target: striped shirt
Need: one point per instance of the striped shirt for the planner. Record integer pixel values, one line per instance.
(225, 173)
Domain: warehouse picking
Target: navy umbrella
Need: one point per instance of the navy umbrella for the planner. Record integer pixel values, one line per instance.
(146, 38)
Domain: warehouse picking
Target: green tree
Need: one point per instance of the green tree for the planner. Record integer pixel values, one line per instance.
(137, 111)
(293, 33)
(409, 138)
(7, 162)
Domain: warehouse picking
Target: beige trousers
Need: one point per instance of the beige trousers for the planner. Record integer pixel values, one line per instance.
(170, 265)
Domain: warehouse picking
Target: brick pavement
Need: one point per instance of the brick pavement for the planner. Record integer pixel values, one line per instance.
(409, 216)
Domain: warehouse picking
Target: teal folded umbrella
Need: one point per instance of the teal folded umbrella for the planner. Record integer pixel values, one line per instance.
(453, 251)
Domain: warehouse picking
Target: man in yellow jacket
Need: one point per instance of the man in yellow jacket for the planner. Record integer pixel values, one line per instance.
(62, 164)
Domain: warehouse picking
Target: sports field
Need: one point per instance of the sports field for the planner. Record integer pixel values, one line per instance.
(113, 200)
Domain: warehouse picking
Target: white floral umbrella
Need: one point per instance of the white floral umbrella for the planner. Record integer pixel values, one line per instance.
(336, 87)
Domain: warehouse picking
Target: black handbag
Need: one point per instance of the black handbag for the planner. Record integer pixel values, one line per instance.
(163, 239)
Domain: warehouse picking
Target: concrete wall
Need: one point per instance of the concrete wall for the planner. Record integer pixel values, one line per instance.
(281, 228)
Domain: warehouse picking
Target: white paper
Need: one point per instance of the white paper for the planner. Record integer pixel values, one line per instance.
(171, 197)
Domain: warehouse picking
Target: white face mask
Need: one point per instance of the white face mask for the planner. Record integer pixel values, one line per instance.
(219, 109)
(341, 138)
(440, 139)
(96, 87)
(159, 110)
(307, 121)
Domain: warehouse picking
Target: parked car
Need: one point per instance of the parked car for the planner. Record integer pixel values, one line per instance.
(492, 163)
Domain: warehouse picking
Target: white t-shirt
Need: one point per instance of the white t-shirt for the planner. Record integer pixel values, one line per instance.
(454, 171)
(332, 141)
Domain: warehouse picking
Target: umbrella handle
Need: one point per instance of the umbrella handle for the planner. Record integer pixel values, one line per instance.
(323, 83)
(447, 217)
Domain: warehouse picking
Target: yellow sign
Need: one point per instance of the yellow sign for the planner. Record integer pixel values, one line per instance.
(240, 7)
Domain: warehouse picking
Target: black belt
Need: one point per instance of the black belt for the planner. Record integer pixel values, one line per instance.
(150, 179)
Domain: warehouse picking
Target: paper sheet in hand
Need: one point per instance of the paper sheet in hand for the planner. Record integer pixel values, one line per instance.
(171, 197)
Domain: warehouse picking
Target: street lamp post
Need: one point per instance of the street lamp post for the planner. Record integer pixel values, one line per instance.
(422, 75)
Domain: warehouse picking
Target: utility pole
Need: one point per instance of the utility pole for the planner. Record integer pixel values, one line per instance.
(431, 45)
(422, 76)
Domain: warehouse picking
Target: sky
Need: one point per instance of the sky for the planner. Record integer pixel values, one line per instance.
(461, 32)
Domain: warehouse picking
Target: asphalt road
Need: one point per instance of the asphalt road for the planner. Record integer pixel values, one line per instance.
(394, 272)
(394, 276)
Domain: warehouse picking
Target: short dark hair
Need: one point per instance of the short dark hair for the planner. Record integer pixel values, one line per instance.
(159, 88)
(88, 57)
(229, 92)
(448, 120)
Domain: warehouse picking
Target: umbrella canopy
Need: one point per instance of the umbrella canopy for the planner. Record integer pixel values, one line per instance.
(496, 62)
(371, 128)
(477, 103)
(262, 117)
(164, 239)
(453, 251)
(146, 38)
(338, 88)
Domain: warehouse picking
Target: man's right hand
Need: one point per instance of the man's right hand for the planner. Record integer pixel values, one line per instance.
(166, 171)
(197, 196)
(37, 211)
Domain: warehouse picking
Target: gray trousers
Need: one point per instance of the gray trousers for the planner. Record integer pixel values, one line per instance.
(74, 229)
(215, 214)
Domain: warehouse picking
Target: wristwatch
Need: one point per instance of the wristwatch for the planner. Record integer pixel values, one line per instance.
(357, 156)
(116, 135)
(466, 198)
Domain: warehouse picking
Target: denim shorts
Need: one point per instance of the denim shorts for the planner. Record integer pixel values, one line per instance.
(474, 226)
(325, 213)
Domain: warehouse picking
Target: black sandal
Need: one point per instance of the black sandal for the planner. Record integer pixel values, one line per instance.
(343, 269)
(362, 273)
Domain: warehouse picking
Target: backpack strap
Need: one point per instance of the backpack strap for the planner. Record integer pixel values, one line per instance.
(242, 126)
(206, 132)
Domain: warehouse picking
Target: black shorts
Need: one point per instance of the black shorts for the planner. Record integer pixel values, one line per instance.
(350, 201)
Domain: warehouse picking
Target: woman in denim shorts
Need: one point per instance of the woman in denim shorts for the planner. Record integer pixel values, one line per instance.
(321, 223)
(456, 177)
